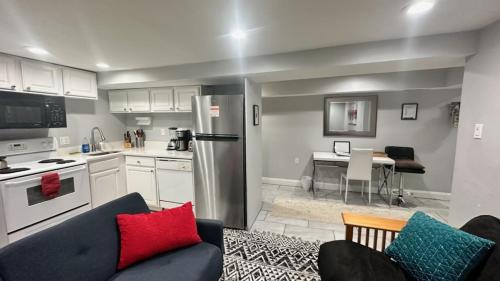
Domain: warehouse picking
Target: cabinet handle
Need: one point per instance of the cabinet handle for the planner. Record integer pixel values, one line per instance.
(171, 108)
(13, 87)
(124, 109)
(138, 162)
(68, 92)
(152, 171)
(28, 88)
(130, 109)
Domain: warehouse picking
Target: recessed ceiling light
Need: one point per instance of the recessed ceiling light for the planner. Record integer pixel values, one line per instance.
(419, 7)
(238, 34)
(102, 65)
(37, 51)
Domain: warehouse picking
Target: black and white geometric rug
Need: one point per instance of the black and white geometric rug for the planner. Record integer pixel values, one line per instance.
(262, 256)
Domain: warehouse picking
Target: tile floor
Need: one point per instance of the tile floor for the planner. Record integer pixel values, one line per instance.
(315, 230)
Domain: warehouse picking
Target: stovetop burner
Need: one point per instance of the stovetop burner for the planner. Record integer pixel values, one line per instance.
(56, 160)
(12, 170)
(65, 161)
(50, 161)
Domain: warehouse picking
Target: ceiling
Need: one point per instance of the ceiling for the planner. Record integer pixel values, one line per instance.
(130, 34)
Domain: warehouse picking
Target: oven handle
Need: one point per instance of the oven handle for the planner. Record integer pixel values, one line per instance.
(39, 178)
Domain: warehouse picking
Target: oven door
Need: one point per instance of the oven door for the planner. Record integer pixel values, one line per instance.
(25, 205)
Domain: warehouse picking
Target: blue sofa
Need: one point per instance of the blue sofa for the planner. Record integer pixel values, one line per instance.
(87, 248)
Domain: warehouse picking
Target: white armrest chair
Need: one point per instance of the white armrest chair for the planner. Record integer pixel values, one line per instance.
(360, 168)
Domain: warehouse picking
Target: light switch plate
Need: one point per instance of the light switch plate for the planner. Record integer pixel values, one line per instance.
(478, 131)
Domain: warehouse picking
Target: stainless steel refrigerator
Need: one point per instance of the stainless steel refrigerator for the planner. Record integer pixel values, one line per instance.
(219, 158)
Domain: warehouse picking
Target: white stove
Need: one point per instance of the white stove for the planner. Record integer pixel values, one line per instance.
(24, 209)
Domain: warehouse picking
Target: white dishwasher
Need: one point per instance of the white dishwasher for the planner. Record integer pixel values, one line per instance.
(175, 181)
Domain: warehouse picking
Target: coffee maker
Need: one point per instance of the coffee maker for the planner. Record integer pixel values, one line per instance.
(183, 138)
(172, 144)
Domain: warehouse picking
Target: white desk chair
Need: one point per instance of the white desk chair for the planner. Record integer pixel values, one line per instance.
(360, 168)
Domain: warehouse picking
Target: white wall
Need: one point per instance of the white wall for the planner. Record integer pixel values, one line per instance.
(476, 181)
(81, 116)
(293, 128)
(160, 121)
(253, 147)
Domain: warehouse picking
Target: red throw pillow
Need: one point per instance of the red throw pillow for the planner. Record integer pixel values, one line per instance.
(145, 235)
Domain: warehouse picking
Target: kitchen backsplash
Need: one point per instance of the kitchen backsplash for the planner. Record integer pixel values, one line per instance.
(160, 121)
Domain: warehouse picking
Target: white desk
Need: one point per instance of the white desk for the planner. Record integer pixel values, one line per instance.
(320, 158)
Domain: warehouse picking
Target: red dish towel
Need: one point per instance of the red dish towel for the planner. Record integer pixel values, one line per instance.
(51, 184)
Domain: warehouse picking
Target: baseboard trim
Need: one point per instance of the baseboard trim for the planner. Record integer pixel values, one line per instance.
(332, 186)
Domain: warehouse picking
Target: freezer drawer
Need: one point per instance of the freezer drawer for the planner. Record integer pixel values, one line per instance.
(175, 180)
(220, 181)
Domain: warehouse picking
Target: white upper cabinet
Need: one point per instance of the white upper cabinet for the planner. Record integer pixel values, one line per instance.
(79, 83)
(41, 77)
(138, 100)
(123, 101)
(10, 75)
(118, 101)
(183, 97)
(162, 100)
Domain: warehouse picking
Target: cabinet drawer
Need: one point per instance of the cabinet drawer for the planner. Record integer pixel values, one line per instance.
(140, 161)
(104, 165)
(174, 164)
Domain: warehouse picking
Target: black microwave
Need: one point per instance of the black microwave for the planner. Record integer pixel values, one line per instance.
(20, 110)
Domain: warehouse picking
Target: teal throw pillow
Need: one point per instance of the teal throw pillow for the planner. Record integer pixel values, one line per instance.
(430, 250)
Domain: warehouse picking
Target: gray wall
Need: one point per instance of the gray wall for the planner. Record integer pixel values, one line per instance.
(476, 181)
(81, 116)
(293, 128)
(160, 121)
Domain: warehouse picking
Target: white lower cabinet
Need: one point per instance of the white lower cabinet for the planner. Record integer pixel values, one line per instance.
(107, 181)
(141, 178)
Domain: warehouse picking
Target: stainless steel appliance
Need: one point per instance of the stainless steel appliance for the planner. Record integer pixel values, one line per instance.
(172, 144)
(19, 110)
(25, 210)
(219, 158)
(183, 138)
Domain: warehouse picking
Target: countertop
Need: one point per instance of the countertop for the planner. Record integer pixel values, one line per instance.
(141, 152)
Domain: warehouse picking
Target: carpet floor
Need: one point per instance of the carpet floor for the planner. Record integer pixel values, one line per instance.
(263, 256)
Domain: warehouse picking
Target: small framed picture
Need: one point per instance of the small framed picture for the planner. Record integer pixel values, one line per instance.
(409, 111)
(256, 115)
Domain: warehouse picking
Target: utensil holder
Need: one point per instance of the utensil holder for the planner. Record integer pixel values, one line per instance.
(139, 142)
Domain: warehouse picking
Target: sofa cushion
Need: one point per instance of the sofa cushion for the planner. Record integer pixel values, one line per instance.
(487, 227)
(82, 248)
(349, 261)
(430, 250)
(201, 262)
(145, 235)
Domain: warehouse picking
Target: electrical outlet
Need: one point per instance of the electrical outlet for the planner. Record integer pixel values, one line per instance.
(297, 160)
(64, 140)
(162, 132)
(478, 131)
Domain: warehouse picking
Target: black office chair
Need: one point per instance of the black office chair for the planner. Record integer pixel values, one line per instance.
(405, 163)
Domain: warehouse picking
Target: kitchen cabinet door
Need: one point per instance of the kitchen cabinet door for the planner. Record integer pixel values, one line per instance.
(143, 181)
(118, 101)
(162, 99)
(183, 97)
(138, 100)
(41, 77)
(10, 75)
(105, 187)
(79, 83)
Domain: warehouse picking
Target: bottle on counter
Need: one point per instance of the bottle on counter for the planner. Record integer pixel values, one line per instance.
(85, 145)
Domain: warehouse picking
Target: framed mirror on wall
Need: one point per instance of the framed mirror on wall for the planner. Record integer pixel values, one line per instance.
(354, 116)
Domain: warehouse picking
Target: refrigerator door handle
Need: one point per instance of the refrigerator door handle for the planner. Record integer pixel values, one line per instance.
(214, 137)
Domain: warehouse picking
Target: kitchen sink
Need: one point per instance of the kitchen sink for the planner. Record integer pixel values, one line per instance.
(100, 153)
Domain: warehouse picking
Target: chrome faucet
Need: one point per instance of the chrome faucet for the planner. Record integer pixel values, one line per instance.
(93, 145)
